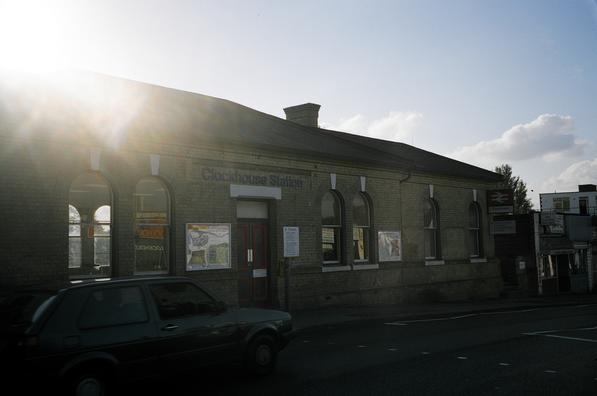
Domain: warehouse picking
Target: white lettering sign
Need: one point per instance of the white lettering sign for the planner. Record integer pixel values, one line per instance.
(291, 242)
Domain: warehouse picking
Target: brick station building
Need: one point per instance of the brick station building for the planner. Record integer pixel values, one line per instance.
(106, 177)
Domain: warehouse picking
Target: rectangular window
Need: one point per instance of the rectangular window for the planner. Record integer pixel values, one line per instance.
(330, 240)
(430, 244)
(360, 238)
(151, 248)
(113, 306)
(74, 246)
(180, 299)
(474, 236)
(101, 245)
(561, 203)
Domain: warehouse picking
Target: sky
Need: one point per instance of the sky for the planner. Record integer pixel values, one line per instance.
(486, 82)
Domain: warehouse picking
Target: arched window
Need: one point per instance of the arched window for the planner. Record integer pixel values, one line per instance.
(331, 228)
(74, 237)
(474, 227)
(152, 226)
(431, 229)
(361, 230)
(90, 226)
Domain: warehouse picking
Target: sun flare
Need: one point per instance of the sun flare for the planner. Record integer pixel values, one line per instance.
(31, 37)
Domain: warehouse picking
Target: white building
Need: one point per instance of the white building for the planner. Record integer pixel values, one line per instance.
(584, 201)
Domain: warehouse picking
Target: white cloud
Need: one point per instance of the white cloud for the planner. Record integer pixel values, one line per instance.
(354, 124)
(582, 172)
(549, 136)
(396, 126)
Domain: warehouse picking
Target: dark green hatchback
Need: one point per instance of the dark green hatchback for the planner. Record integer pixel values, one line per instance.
(88, 336)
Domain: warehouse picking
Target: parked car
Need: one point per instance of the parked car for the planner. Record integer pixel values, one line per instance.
(86, 336)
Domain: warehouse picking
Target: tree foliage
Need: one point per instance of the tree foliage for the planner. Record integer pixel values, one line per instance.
(522, 204)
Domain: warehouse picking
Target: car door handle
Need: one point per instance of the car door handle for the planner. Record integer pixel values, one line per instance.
(170, 327)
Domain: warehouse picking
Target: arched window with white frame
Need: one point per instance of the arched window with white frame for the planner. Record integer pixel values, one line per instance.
(90, 227)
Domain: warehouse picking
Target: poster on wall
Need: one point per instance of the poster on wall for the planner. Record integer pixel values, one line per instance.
(208, 246)
(389, 245)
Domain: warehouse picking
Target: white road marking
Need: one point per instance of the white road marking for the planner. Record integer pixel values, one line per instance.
(549, 333)
(462, 357)
(550, 371)
(559, 331)
(504, 364)
(392, 349)
(463, 316)
(509, 312)
(362, 346)
(425, 353)
(570, 338)
(406, 322)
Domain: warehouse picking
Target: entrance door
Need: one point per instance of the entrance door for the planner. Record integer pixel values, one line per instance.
(253, 263)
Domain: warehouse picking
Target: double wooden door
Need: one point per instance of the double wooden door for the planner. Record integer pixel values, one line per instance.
(253, 263)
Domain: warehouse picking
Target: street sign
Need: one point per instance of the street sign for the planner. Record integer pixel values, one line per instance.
(503, 227)
(500, 201)
(291, 241)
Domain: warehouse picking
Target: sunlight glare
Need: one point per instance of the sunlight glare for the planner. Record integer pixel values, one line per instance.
(31, 37)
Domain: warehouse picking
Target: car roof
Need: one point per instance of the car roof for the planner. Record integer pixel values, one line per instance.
(78, 283)
(57, 287)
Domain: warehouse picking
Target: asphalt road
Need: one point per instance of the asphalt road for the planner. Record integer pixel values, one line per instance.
(546, 351)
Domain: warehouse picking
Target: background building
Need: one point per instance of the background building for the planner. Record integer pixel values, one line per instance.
(568, 240)
(106, 177)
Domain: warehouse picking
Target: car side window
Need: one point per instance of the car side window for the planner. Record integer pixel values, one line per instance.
(180, 299)
(113, 307)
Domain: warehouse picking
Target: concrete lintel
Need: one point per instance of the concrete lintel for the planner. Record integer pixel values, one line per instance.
(244, 191)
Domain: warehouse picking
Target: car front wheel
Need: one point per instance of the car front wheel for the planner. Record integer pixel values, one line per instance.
(261, 355)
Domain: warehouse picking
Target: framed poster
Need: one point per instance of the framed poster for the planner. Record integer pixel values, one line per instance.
(208, 246)
(389, 246)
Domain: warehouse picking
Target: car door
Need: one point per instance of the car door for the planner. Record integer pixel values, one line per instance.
(192, 328)
(111, 319)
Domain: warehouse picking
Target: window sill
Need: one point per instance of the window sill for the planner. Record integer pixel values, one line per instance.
(143, 273)
(478, 260)
(335, 268)
(361, 267)
(434, 262)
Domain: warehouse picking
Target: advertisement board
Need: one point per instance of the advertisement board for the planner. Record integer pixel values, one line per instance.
(208, 246)
(389, 246)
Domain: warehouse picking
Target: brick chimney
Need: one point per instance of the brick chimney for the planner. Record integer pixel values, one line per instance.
(305, 114)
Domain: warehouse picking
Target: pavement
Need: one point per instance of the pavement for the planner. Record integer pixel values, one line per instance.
(323, 316)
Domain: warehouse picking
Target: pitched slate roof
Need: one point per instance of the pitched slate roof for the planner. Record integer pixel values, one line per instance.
(104, 109)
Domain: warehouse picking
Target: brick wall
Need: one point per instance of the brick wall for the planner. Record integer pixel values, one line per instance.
(36, 176)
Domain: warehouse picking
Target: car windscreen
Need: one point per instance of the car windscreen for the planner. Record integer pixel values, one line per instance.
(21, 309)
